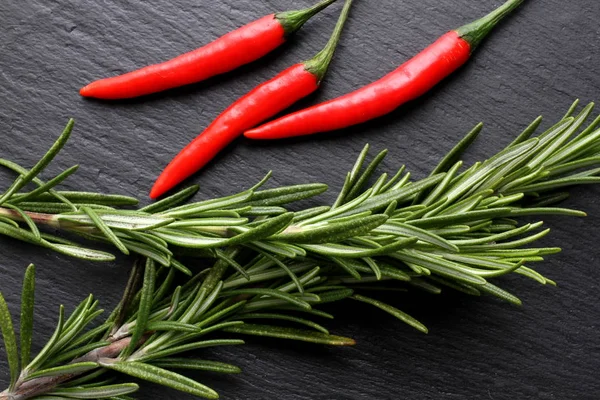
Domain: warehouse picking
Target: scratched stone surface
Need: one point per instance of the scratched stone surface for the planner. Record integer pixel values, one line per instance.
(535, 63)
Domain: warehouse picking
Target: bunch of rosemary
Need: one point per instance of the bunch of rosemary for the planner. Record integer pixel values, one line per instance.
(458, 228)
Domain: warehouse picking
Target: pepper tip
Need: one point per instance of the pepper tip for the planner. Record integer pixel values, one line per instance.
(155, 192)
(85, 91)
(249, 134)
(254, 134)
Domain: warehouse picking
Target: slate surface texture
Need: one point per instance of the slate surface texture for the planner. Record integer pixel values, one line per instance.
(537, 62)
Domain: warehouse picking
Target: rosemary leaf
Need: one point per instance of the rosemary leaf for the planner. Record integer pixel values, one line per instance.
(171, 326)
(398, 228)
(152, 373)
(402, 316)
(268, 293)
(337, 250)
(300, 216)
(331, 232)
(56, 208)
(207, 205)
(261, 211)
(200, 365)
(134, 221)
(453, 156)
(105, 229)
(145, 306)
(171, 201)
(526, 134)
(291, 334)
(7, 221)
(19, 233)
(156, 254)
(285, 195)
(27, 306)
(283, 317)
(343, 192)
(10, 342)
(49, 348)
(100, 392)
(111, 200)
(500, 293)
(76, 368)
(185, 348)
(335, 295)
(79, 252)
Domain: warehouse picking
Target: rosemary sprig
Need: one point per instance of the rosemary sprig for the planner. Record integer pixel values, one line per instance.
(457, 228)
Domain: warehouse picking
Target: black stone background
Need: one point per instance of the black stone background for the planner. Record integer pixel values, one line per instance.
(537, 62)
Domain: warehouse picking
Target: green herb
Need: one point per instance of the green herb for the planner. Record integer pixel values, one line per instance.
(273, 265)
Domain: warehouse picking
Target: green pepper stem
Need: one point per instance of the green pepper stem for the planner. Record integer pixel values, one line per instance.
(292, 21)
(476, 31)
(319, 64)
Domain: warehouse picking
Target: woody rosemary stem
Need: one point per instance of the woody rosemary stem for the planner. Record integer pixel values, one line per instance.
(40, 218)
(38, 386)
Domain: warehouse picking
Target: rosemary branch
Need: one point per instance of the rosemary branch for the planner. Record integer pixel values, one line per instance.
(457, 228)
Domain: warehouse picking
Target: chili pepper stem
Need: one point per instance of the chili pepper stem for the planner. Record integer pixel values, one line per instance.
(319, 64)
(474, 32)
(292, 21)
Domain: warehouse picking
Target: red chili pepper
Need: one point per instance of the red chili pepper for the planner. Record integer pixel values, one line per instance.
(409, 81)
(236, 48)
(263, 102)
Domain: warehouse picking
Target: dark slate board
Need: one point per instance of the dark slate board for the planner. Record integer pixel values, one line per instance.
(538, 62)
